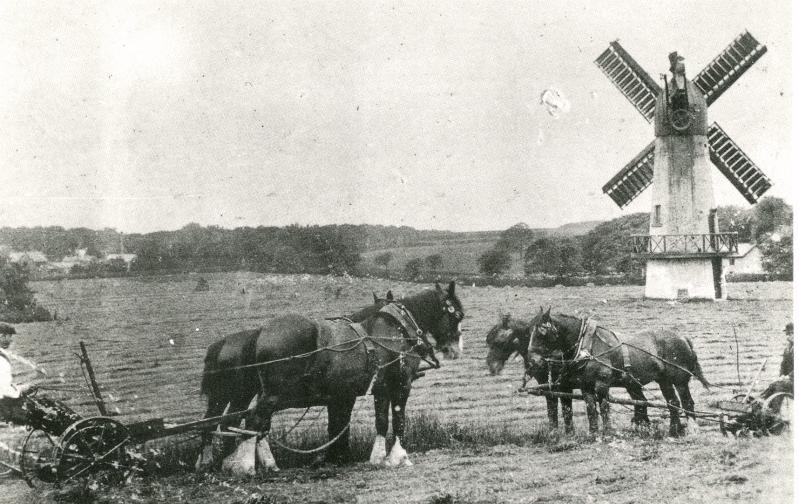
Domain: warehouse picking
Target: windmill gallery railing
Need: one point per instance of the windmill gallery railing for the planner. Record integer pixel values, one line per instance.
(711, 244)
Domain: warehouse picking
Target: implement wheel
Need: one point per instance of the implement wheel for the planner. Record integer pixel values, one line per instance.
(36, 461)
(89, 446)
(780, 406)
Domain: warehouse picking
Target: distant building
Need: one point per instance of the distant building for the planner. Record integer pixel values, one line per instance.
(128, 258)
(748, 261)
(29, 257)
(80, 257)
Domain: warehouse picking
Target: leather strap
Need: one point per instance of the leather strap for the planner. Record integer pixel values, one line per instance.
(361, 332)
(625, 353)
(404, 318)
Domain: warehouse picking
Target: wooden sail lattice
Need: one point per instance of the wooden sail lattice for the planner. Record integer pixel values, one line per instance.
(642, 91)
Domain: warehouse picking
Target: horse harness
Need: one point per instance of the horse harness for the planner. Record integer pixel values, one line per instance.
(398, 313)
(588, 329)
(584, 351)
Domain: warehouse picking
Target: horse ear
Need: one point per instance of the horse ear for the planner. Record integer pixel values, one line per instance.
(389, 295)
(438, 286)
(546, 315)
(505, 320)
(451, 288)
(375, 297)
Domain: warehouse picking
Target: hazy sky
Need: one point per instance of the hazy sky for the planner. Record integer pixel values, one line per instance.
(150, 115)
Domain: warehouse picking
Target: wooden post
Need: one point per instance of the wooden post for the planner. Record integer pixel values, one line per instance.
(98, 399)
(755, 380)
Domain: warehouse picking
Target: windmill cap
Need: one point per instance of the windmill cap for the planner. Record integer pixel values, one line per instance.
(674, 57)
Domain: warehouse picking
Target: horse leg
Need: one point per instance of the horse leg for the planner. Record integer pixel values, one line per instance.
(640, 417)
(243, 461)
(263, 452)
(399, 398)
(590, 408)
(552, 412)
(382, 404)
(339, 412)
(602, 390)
(205, 461)
(667, 389)
(688, 406)
(239, 403)
(566, 411)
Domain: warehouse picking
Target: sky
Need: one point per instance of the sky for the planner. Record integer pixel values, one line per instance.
(144, 116)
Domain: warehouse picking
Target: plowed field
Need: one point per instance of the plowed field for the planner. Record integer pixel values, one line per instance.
(147, 338)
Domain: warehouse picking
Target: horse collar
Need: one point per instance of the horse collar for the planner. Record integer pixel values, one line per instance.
(404, 317)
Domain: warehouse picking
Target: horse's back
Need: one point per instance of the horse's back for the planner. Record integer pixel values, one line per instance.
(238, 348)
(286, 336)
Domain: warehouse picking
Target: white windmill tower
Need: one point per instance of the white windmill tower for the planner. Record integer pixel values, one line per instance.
(684, 248)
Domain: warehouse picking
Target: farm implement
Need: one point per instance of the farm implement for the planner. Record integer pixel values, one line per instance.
(61, 445)
(743, 414)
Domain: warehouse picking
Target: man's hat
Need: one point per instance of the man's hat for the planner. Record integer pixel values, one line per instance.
(7, 329)
(789, 328)
(674, 57)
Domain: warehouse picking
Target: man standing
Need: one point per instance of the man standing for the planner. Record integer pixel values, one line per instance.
(10, 394)
(785, 382)
(786, 367)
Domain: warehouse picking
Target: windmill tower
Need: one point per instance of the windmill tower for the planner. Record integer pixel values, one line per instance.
(684, 248)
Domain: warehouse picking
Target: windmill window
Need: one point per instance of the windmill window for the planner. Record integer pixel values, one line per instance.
(656, 217)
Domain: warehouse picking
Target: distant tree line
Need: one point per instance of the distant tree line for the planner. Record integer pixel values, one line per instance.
(337, 248)
(605, 249)
(17, 302)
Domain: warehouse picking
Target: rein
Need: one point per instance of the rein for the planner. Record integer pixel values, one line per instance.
(400, 314)
(587, 328)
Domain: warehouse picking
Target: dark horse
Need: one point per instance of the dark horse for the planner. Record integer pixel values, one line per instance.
(511, 336)
(330, 363)
(598, 359)
(225, 382)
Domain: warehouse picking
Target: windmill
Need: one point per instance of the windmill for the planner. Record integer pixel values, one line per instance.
(684, 248)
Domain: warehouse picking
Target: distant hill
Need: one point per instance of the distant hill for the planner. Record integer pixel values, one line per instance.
(389, 237)
(574, 228)
(459, 250)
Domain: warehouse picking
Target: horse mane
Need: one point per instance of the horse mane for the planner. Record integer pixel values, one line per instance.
(513, 326)
(424, 306)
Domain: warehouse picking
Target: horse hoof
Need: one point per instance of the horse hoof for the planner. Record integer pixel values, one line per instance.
(242, 461)
(378, 455)
(398, 456)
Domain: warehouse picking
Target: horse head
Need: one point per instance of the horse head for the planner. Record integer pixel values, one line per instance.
(445, 323)
(509, 336)
(544, 338)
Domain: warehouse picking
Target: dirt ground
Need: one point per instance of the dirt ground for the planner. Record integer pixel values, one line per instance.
(705, 468)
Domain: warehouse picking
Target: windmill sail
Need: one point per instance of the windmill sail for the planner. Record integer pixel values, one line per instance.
(727, 67)
(631, 181)
(735, 165)
(634, 83)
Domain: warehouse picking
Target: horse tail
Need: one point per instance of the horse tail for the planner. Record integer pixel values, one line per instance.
(696, 369)
(211, 371)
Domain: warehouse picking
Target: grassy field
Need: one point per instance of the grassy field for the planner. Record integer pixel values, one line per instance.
(461, 258)
(147, 338)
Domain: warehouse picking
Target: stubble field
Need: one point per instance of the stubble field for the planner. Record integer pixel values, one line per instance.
(147, 338)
